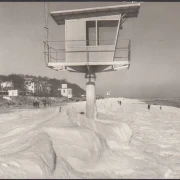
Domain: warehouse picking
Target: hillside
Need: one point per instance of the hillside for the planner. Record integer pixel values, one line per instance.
(19, 79)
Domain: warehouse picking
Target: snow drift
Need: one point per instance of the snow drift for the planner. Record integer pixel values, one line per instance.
(127, 141)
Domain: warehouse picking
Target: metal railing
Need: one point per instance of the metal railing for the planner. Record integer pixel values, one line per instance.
(54, 51)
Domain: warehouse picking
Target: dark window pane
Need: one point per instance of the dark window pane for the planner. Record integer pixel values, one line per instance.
(91, 33)
(107, 32)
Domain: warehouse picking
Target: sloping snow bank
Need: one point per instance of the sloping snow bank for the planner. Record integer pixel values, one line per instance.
(34, 159)
(86, 144)
(25, 150)
(121, 158)
(81, 148)
(117, 135)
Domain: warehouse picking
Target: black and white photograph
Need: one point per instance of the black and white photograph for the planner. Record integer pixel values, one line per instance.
(89, 90)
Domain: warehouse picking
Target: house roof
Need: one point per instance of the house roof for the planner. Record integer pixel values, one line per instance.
(129, 11)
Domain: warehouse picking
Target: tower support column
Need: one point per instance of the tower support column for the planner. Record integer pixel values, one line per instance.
(91, 110)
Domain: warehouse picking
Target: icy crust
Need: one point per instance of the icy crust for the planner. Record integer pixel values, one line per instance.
(126, 141)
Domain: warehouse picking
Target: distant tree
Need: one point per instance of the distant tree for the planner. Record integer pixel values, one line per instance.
(55, 84)
(64, 80)
(3, 78)
(76, 90)
(18, 81)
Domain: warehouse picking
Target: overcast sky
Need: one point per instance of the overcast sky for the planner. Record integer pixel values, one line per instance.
(155, 35)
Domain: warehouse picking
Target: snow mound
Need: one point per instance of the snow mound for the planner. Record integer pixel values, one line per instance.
(80, 147)
(81, 120)
(117, 135)
(32, 157)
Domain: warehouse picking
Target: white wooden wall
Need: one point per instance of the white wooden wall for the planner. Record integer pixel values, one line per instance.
(75, 29)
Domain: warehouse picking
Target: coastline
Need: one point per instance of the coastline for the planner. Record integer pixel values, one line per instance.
(163, 102)
(11, 108)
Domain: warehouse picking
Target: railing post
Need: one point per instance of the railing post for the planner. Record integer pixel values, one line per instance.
(45, 52)
(129, 51)
(48, 52)
(97, 41)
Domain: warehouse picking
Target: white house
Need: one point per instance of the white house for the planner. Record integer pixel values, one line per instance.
(7, 84)
(65, 91)
(13, 92)
(32, 86)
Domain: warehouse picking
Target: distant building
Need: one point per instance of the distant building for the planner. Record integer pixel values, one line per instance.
(64, 86)
(65, 91)
(13, 92)
(7, 85)
(32, 86)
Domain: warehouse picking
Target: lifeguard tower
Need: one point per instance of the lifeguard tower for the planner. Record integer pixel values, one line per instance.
(91, 45)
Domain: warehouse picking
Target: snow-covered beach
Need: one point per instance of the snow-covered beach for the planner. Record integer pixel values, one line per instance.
(127, 141)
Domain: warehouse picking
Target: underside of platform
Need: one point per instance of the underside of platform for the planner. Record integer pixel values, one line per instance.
(84, 66)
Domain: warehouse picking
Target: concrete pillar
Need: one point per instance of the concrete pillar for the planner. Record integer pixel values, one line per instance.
(90, 96)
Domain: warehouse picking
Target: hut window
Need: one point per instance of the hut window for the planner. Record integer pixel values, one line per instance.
(103, 34)
(106, 31)
(91, 33)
